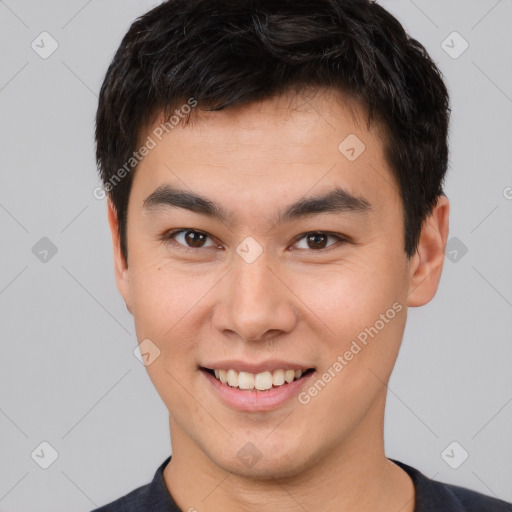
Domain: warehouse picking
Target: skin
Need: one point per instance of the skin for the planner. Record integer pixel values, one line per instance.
(294, 302)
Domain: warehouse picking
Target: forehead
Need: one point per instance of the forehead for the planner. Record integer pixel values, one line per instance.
(272, 151)
(296, 114)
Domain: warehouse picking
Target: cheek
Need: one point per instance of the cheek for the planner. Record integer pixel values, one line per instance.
(165, 303)
(350, 295)
(170, 307)
(162, 295)
(361, 304)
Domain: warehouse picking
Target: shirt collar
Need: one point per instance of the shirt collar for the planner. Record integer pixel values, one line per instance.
(429, 494)
(158, 497)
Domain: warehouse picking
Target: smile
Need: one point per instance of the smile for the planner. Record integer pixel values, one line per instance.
(258, 391)
(260, 381)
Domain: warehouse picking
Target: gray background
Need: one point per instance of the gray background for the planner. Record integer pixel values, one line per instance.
(68, 375)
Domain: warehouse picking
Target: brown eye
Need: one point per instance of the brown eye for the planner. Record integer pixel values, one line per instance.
(317, 240)
(190, 238)
(194, 238)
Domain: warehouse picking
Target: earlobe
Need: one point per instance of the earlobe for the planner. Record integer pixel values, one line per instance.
(120, 264)
(427, 263)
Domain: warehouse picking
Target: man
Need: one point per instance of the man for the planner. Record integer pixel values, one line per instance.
(275, 177)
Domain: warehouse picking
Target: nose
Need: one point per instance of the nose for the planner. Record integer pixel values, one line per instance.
(255, 302)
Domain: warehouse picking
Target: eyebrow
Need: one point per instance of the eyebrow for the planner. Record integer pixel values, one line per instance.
(337, 200)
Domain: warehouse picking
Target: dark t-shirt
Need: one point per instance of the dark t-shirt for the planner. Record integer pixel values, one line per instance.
(431, 496)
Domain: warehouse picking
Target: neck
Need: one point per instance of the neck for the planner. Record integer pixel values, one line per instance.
(356, 475)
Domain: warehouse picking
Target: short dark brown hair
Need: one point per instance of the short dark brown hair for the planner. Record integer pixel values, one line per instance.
(225, 53)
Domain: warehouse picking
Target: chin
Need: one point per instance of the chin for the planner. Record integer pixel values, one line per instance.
(266, 463)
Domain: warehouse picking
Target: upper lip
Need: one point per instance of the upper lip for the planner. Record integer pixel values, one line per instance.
(263, 366)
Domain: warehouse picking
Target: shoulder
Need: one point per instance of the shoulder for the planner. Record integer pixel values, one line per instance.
(152, 496)
(472, 501)
(135, 500)
(434, 496)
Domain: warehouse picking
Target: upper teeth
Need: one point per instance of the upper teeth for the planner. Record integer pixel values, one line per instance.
(259, 381)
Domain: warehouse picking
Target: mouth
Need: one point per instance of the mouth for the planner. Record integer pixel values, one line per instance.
(256, 386)
(257, 382)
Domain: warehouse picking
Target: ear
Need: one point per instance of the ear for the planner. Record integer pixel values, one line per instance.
(120, 264)
(426, 264)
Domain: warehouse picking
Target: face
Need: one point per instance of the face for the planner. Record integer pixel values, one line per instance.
(246, 287)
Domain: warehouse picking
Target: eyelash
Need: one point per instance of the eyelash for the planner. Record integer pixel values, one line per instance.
(169, 237)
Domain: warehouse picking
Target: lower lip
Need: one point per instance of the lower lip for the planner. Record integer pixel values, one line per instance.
(256, 401)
